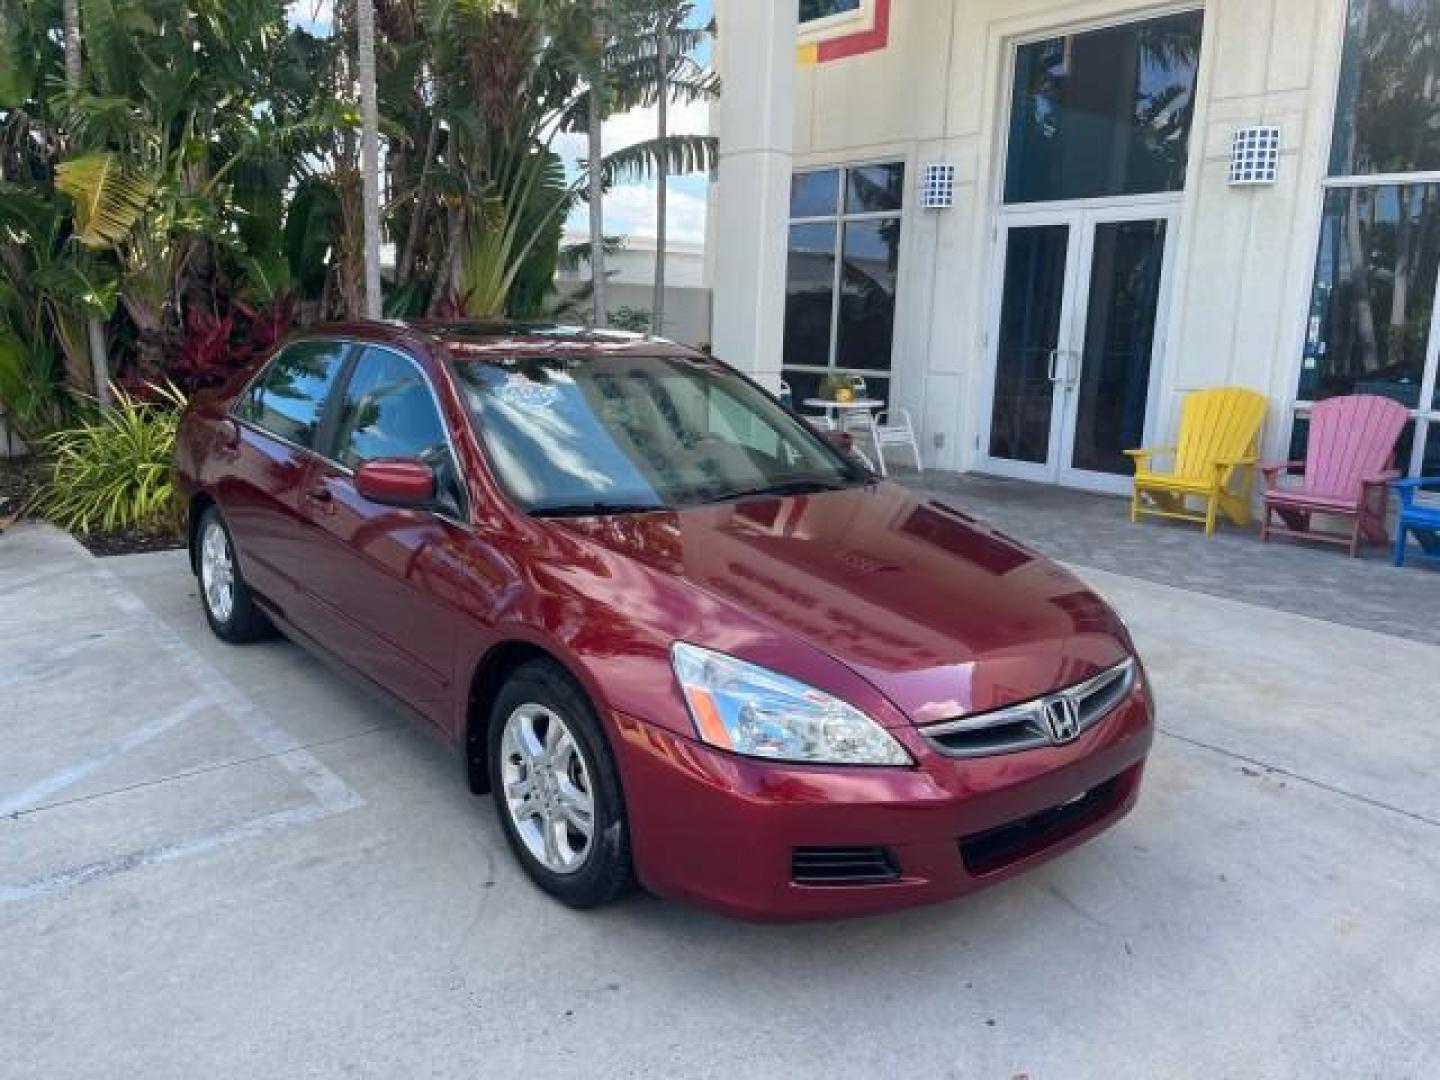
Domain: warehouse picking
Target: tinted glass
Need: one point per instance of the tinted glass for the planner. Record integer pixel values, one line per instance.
(1029, 332)
(872, 189)
(1119, 344)
(1387, 118)
(867, 294)
(1104, 113)
(1374, 293)
(814, 194)
(288, 399)
(810, 10)
(623, 432)
(809, 294)
(388, 412)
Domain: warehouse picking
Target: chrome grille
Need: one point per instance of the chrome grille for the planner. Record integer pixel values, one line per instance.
(1027, 725)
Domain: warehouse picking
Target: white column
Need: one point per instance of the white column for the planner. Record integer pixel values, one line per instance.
(756, 55)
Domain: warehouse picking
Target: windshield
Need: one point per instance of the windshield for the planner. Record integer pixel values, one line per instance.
(631, 433)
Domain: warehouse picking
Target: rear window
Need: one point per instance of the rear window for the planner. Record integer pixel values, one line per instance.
(288, 398)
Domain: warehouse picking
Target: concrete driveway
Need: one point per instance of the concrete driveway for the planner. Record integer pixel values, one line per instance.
(226, 862)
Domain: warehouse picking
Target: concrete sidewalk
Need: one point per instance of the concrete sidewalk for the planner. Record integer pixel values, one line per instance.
(227, 862)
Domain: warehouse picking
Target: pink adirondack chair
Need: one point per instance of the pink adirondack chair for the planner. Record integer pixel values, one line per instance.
(1350, 459)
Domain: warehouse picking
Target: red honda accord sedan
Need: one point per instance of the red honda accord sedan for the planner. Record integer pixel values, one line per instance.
(680, 636)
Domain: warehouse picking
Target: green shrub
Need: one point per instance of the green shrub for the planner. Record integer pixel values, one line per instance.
(113, 472)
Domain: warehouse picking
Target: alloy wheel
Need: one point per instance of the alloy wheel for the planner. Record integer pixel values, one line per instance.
(217, 572)
(547, 788)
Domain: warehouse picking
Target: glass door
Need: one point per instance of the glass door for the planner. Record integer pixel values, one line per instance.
(1036, 298)
(1110, 368)
(1078, 324)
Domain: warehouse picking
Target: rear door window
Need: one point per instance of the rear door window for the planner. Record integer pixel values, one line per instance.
(288, 398)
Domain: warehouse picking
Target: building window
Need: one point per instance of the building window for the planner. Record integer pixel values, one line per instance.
(1104, 113)
(1372, 307)
(841, 277)
(1387, 116)
(815, 10)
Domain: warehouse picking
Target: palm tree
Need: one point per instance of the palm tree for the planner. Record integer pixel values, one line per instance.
(596, 152)
(369, 151)
(95, 327)
(662, 171)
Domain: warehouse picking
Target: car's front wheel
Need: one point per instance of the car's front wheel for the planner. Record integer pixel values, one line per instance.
(229, 607)
(556, 787)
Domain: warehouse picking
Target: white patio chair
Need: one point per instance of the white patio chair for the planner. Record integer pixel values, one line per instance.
(889, 427)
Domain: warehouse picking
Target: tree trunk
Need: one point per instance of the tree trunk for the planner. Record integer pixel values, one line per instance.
(417, 212)
(369, 152)
(74, 72)
(596, 153)
(662, 172)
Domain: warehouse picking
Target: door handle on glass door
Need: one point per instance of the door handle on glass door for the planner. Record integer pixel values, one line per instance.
(1072, 368)
(1054, 364)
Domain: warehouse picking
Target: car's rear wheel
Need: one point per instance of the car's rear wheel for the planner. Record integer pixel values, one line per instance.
(556, 787)
(229, 606)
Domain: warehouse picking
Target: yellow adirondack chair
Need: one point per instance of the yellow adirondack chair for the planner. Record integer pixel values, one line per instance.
(1219, 440)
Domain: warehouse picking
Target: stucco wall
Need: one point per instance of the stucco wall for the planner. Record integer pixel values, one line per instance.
(1244, 256)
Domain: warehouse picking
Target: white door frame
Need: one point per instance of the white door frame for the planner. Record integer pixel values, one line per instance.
(1082, 217)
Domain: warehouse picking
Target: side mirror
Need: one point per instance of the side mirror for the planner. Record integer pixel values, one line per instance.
(396, 482)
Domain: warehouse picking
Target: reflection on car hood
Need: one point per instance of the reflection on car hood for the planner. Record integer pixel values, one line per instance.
(939, 612)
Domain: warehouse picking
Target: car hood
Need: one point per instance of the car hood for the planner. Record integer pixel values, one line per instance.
(940, 613)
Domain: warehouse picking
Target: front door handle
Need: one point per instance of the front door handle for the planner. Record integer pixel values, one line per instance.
(1054, 365)
(323, 496)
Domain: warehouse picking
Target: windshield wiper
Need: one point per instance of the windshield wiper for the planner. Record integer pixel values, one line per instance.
(786, 487)
(596, 509)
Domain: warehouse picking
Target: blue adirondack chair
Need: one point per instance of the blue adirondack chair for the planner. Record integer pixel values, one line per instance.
(1423, 521)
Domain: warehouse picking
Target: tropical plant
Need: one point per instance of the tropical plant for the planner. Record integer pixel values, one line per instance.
(112, 472)
(631, 319)
(49, 288)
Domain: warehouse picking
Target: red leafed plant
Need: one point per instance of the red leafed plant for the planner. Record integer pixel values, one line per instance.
(204, 356)
(216, 345)
(267, 324)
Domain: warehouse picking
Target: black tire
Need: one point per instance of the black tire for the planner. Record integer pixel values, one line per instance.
(244, 622)
(605, 872)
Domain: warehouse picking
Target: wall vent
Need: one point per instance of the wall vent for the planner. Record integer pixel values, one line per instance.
(937, 192)
(1255, 156)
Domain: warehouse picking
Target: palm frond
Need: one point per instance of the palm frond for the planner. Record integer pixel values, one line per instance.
(681, 153)
(109, 198)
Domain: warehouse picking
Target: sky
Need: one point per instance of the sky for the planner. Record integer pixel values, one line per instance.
(629, 208)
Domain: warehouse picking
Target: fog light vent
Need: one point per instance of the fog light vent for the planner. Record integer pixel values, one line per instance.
(843, 866)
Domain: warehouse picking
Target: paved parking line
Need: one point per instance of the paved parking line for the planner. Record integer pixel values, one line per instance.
(329, 794)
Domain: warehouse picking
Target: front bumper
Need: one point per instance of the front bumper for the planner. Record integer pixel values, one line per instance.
(721, 831)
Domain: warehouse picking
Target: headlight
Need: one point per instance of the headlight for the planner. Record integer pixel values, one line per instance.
(759, 713)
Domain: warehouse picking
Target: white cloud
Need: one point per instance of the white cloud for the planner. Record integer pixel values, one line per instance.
(630, 211)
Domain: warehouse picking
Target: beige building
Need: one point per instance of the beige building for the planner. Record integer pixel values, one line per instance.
(1130, 201)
